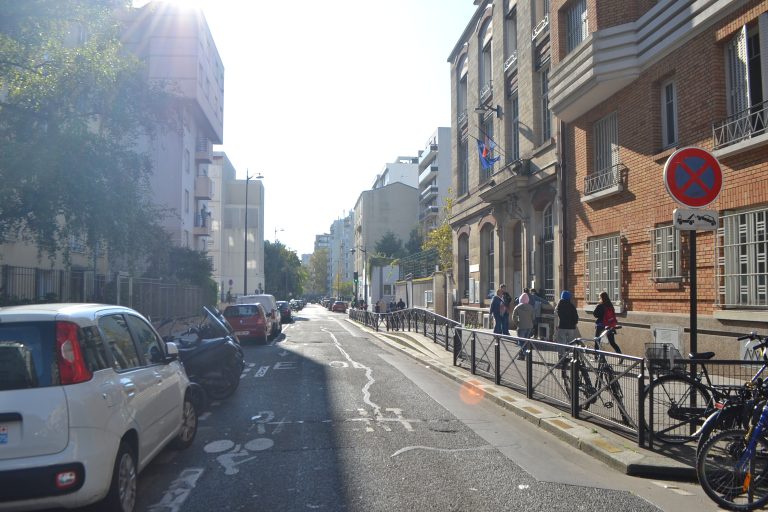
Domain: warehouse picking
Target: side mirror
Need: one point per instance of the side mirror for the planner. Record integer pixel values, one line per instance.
(171, 351)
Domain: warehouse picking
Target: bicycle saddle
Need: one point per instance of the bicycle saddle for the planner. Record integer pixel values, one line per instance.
(701, 355)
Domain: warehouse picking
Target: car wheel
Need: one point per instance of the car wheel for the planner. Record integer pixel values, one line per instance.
(122, 491)
(188, 430)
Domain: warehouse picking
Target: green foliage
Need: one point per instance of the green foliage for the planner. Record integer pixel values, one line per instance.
(73, 106)
(390, 245)
(283, 275)
(415, 240)
(441, 238)
(318, 272)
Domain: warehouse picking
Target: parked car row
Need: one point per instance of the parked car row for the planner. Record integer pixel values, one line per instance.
(89, 395)
(248, 323)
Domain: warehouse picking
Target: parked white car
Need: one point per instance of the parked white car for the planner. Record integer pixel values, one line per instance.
(89, 394)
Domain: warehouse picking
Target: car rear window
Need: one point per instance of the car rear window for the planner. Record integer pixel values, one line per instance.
(27, 355)
(242, 310)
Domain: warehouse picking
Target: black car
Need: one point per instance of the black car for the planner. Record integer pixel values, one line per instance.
(286, 315)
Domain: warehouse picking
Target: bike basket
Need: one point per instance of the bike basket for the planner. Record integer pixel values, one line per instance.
(664, 357)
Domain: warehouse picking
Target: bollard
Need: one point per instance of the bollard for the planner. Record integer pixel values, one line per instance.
(574, 386)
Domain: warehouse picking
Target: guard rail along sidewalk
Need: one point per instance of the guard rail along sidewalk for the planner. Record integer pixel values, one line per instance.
(607, 391)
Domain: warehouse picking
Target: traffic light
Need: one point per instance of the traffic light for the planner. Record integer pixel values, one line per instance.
(354, 277)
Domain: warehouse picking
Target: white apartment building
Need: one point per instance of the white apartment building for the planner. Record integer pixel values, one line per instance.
(434, 179)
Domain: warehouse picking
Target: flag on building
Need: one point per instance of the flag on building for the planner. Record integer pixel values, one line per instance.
(485, 150)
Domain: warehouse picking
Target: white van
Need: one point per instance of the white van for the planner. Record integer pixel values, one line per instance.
(269, 304)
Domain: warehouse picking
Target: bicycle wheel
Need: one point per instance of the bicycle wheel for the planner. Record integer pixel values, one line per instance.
(724, 482)
(584, 384)
(680, 406)
(617, 393)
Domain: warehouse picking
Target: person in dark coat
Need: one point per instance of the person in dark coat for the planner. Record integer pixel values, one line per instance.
(497, 305)
(605, 316)
(567, 318)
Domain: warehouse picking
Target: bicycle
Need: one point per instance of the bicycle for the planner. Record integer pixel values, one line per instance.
(682, 403)
(605, 380)
(733, 464)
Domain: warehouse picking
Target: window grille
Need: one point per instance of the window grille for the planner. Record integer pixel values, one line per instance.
(577, 24)
(665, 253)
(602, 269)
(742, 259)
(606, 141)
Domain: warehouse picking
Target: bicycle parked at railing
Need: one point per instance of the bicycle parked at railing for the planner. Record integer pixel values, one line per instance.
(605, 387)
(733, 464)
(682, 403)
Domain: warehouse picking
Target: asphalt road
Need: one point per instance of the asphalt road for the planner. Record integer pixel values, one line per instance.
(329, 417)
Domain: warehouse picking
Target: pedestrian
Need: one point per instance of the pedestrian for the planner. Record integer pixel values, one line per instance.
(400, 304)
(507, 306)
(605, 317)
(522, 317)
(377, 307)
(567, 318)
(536, 301)
(497, 303)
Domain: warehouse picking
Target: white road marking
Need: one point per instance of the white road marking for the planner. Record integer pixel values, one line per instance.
(178, 492)
(673, 488)
(444, 450)
(284, 365)
(204, 416)
(261, 371)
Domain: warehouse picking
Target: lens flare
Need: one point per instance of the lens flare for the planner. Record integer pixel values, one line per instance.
(471, 395)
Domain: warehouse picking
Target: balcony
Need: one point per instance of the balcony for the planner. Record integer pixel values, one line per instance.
(204, 151)
(603, 183)
(742, 130)
(429, 154)
(486, 92)
(203, 187)
(428, 212)
(428, 173)
(429, 192)
(202, 225)
(462, 118)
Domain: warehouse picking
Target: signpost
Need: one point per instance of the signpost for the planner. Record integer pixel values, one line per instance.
(693, 178)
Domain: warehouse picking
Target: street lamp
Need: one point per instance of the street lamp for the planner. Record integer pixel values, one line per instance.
(365, 274)
(276, 230)
(245, 232)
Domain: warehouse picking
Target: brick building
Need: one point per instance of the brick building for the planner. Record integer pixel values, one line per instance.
(631, 83)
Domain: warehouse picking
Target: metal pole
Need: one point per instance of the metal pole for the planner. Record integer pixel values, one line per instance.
(245, 238)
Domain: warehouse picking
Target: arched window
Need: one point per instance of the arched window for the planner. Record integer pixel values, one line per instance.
(548, 241)
(487, 247)
(464, 266)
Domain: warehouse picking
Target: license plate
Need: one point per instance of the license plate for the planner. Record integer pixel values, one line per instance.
(242, 333)
(3, 434)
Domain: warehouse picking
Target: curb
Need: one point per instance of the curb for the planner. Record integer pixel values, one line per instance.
(617, 452)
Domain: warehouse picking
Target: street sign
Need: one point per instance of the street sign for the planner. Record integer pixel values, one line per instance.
(694, 219)
(693, 177)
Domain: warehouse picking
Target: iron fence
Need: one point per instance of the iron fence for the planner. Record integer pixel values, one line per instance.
(151, 297)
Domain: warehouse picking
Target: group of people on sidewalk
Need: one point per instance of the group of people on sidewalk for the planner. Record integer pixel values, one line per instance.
(522, 316)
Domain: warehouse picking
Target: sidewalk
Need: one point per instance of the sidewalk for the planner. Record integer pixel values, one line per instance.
(617, 451)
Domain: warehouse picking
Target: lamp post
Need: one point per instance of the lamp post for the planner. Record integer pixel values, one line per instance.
(245, 232)
(365, 275)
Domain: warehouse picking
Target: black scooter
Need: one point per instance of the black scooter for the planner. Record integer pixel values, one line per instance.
(211, 355)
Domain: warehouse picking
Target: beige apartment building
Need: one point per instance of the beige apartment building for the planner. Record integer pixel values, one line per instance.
(632, 83)
(506, 217)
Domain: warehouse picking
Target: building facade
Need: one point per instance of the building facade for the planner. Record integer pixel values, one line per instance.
(633, 83)
(340, 263)
(506, 218)
(434, 179)
(176, 44)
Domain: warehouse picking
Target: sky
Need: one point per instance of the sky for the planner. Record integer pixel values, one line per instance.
(320, 96)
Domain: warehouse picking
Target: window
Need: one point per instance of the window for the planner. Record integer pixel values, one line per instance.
(577, 25)
(606, 143)
(548, 241)
(485, 64)
(463, 177)
(118, 339)
(602, 271)
(486, 242)
(665, 252)
(743, 259)
(464, 266)
(510, 38)
(461, 91)
(668, 114)
(546, 114)
(186, 201)
(515, 129)
(149, 344)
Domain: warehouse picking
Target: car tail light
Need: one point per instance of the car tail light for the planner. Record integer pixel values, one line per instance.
(72, 368)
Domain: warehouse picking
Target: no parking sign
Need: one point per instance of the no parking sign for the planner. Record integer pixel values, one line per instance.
(693, 177)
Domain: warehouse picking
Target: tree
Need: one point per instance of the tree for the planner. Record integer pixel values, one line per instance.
(441, 238)
(283, 276)
(73, 106)
(318, 272)
(415, 241)
(390, 246)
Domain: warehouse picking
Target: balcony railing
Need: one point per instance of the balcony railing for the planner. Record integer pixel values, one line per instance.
(511, 60)
(462, 118)
(486, 92)
(540, 27)
(605, 179)
(741, 126)
(204, 150)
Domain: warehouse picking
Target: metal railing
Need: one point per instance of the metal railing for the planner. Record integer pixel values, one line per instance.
(741, 125)
(603, 179)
